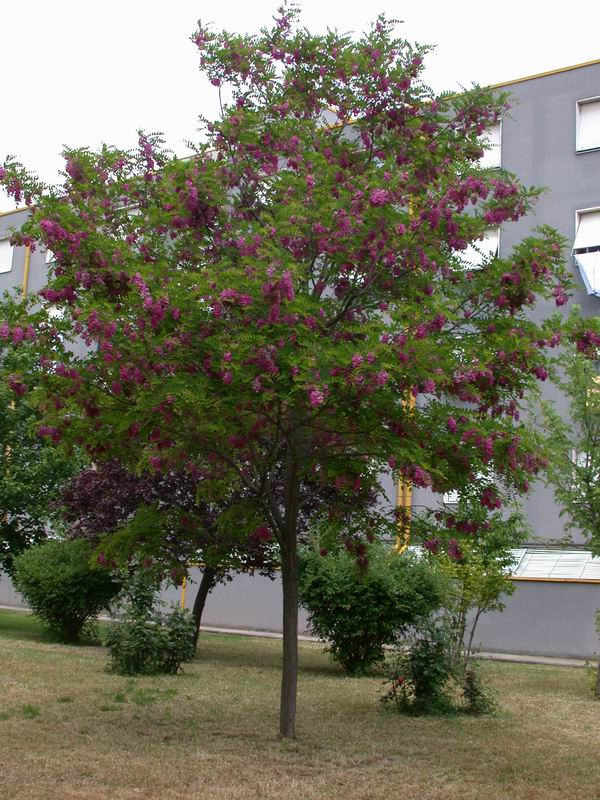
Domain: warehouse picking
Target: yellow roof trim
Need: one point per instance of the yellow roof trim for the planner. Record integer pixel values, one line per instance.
(545, 74)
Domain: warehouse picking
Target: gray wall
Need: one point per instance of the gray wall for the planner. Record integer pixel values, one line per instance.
(538, 145)
(543, 618)
(8, 595)
(37, 264)
(245, 602)
(540, 618)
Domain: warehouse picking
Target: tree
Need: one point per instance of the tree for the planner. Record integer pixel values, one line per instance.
(573, 441)
(161, 518)
(265, 307)
(32, 470)
(473, 549)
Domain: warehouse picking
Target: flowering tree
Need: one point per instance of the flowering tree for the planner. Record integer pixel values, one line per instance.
(259, 314)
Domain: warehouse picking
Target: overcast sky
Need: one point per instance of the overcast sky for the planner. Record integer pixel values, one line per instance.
(80, 72)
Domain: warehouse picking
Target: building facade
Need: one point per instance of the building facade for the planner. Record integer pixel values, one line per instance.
(550, 139)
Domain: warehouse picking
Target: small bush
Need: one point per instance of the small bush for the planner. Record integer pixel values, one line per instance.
(146, 643)
(479, 699)
(418, 676)
(425, 678)
(61, 586)
(360, 610)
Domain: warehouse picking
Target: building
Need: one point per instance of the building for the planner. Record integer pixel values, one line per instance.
(550, 139)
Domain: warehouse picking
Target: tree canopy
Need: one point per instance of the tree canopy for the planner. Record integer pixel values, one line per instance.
(573, 438)
(260, 314)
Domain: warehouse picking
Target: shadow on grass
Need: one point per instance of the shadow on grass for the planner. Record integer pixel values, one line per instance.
(232, 650)
(23, 626)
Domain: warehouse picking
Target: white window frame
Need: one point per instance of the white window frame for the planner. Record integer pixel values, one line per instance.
(495, 149)
(587, 260)
(586, 101)
(11, 256)
(581, 212)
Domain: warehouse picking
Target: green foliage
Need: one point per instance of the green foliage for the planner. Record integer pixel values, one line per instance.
(360, 610)
(145, 642)
(479, 698)
(32, 469)
(261, 317)
(29, 711)
(426, 679)
(418, 677)
(473, 551)
(573, 443)
(62, 588)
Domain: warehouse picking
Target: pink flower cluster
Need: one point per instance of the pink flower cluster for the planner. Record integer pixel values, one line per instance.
(417, 475)
(16, 334)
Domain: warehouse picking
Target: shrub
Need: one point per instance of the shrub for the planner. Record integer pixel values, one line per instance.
(62, 587)
(425, 678)
(146, 643)
(360, 610)
(479, 699)
(418, 676)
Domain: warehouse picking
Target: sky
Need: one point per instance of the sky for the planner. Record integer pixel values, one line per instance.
(83, 72)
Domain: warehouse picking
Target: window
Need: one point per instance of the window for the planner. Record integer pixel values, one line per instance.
(451, 498)
(585, 469)
(586, 248)
(57, 313)
(477, 253)
(50, 257)
(492, 157)
(588, 124)
(6, 255)
(580, 459)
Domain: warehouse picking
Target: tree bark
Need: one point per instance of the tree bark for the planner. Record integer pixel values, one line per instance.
(472, 635)
(289, 581)
(289, 672)
(206, 584)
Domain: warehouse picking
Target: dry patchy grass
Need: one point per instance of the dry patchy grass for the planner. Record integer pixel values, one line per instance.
(69, 730)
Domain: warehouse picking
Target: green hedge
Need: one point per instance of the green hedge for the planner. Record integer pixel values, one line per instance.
(62, 587)
(360, 610)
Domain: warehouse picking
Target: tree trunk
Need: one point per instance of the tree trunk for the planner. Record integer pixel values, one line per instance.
(289, 673)
(206, 584)
(289, 582)
(472, 635)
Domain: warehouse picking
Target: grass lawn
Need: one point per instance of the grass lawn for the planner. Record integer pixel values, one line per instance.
(69, 730)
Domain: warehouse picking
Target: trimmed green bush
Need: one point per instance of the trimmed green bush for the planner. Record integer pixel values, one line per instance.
(145, 642)
(62, 587)
(360, 610)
